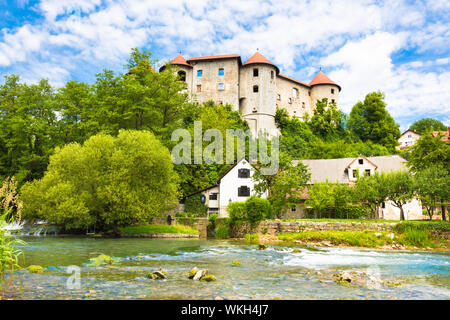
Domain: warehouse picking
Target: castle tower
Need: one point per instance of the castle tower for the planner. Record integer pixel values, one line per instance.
(184, 71)
(257, 96)
(323, 87)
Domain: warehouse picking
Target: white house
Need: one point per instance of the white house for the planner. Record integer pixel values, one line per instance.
(346, 170)
(235, 185)
(407, 139)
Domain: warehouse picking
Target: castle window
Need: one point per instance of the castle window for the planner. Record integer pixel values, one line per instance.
(221, 72)
(243, 191)
(278, 97)
(255, 88)
(303, 105)
(309, 93)
(182, 75)
(290, 100)
(332, 91)
(255, 72)
(294, 93)
(272, 74)
(221, 86)
(199, 88)
(199, 73)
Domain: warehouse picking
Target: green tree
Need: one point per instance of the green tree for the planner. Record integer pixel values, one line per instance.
(399, 189)
(432, 185)
(371, 192)
(327, 121)
(426, 125)
(321, 198)
(429, 151)
(257, 209)
(107, 182)
(370, 120)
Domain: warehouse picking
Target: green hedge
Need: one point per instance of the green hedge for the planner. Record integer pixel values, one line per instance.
(194, 205)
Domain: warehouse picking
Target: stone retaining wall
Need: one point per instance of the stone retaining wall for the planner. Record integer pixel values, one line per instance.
(277, 226)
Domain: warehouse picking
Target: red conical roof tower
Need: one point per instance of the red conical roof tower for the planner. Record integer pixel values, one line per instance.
(321, 78)
(259, 58)
(179, 60)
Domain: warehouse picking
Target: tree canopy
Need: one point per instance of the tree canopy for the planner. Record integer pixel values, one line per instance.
(426, 125)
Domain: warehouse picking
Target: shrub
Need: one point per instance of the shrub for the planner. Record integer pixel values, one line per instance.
(257, 209)
(237, 211)
(194, 205)
(251, 237)
(222, 232)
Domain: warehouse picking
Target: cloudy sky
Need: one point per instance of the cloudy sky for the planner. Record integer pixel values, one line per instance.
(399, 47)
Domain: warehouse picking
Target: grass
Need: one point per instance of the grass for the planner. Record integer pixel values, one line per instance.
(350, 238)
(158, 228)
(251, 237)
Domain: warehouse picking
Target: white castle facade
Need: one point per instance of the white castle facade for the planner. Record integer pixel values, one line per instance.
(255, 88)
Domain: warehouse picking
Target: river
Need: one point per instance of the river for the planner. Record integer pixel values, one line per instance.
(273, 273)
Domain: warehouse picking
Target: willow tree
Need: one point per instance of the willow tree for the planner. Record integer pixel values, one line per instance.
(107, 182)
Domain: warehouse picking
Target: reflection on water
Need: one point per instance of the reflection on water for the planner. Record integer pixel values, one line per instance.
(265, 274)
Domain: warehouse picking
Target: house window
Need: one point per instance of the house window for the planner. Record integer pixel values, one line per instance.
(332, 90)
(290, 100)
(368, 172)
(332, 100)
(278, 97)
(255, 88)
(199, 88)
(244, 173)
(221, 87)
(182, 75)
(272, 74)
(409, 136)
(354, 174)
(243, 191)
(213, 196)
(383, 205)
(294, 93)
(361, 161)
(294, 209)
(255, 72)
(199, 73)
(221, 71)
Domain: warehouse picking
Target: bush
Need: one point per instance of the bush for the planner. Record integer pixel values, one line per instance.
(194, 205)
(251, 237)
(257, 209)
(222, 232)
(237, 211)
(351, 212)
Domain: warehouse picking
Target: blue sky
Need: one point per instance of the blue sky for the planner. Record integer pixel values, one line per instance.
(399, 47)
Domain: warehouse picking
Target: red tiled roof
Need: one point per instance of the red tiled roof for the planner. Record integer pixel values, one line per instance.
(321, 78)
(259, 58)
(222, 56)
(445, 135)
(292, 79)
(179, 60)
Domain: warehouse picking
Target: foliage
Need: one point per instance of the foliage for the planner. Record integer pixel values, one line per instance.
(158, 228)
(10, 205)
(399, 188)
(426, 125)
(193, 204)
(106, 182)
(431, 185)
(222, 232)
(370, 121)
(327, 121)
(371, 191)
(320, 197)
(257, 209)
(251, 237)
(237, 211)
(428, 151)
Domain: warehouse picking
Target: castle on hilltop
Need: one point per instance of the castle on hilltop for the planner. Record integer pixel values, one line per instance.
(255, 88)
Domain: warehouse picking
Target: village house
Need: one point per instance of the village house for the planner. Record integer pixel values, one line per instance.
(445, 135)
(236, 184)
(407, 139)
(256, 87)
(346, 170)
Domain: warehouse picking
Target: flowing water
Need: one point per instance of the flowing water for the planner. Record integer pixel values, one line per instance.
(274, 273)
